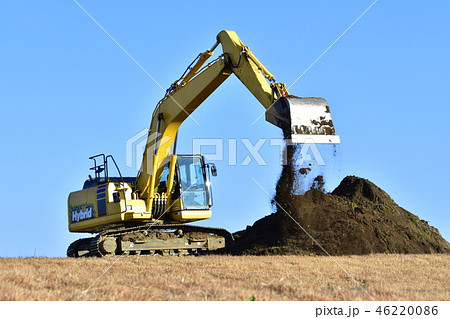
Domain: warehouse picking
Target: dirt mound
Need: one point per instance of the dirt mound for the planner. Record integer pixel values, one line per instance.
(356, 218)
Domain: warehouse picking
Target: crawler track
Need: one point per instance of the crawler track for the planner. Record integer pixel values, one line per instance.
(151, 239)
(79, 248)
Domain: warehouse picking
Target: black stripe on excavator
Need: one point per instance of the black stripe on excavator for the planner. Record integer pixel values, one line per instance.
(101, 206)
(101, 188)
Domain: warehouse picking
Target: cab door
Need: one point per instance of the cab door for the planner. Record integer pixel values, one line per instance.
(192, 182)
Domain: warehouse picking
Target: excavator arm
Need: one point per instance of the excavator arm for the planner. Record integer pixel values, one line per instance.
(199, 81)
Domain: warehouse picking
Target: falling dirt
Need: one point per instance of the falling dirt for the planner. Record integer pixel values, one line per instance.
(304, 170)
(356, 218)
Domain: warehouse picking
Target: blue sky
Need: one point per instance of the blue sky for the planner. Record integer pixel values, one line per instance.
(67, 92)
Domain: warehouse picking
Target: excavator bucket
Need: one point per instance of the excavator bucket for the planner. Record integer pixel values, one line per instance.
(303, 120)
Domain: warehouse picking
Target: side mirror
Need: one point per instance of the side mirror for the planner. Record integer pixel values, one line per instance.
(213, 170)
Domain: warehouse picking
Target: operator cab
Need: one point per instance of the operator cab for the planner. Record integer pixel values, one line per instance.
(191, 182)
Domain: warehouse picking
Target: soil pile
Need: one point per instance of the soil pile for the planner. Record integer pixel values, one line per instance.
(356, 218)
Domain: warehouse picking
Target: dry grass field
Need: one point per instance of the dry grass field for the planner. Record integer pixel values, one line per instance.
(215, 277)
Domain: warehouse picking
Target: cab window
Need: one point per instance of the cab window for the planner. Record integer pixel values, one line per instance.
(192, 179)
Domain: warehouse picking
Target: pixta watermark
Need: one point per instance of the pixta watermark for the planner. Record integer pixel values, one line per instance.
(232, 151)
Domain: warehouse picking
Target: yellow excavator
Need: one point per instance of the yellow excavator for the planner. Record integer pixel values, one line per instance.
(148, 214)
